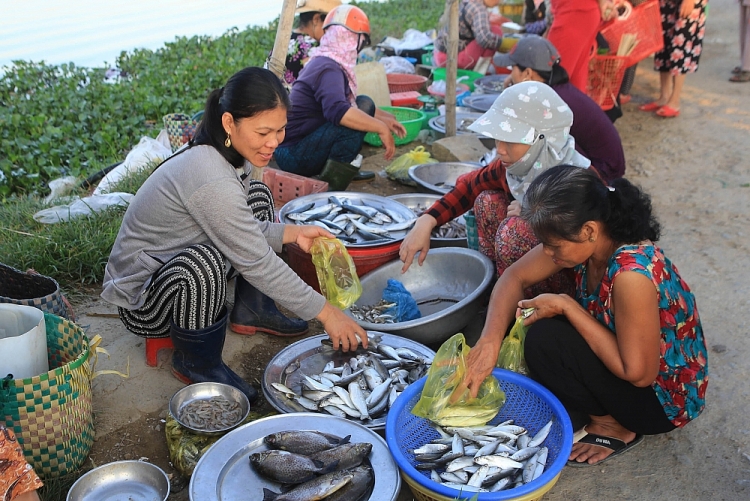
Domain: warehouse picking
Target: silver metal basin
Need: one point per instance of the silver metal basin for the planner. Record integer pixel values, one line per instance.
(448, 288)
(132, 480)
(419, 202)
(203, 391)
(440, 177)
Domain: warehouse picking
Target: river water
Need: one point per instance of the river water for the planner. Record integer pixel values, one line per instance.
(93, 33)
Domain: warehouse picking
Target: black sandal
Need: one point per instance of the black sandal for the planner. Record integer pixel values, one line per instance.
(742, 76)
(614, 444)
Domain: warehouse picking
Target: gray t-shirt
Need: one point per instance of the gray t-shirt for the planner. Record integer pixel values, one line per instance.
(197, 197)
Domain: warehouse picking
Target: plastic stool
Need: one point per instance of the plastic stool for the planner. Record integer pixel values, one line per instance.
(153, 345)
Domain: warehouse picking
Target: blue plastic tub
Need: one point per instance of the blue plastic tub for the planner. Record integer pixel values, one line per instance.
(527, 402)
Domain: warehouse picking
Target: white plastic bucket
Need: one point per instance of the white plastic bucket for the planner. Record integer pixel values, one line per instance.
(23, 341)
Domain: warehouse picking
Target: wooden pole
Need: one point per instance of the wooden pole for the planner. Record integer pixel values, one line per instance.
(283, 34)
(451, 69)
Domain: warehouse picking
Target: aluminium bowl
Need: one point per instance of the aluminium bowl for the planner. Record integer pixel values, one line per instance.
(449, 288)
(418, 202)
(131, 480)
(203, 391)
(439, 177)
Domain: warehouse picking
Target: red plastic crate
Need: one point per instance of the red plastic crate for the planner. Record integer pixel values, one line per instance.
(643, 21)
(410, 99)
(286, 186)
(605, 78)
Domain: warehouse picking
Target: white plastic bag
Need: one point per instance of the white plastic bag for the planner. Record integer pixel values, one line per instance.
(82, 207)
(146, 151)
(413, 39)
(397, 64)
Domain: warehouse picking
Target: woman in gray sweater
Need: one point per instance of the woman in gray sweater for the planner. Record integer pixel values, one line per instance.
(200, 219)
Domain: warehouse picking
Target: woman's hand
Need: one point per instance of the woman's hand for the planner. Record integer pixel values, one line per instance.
(343, 331)
(304, 234)
(417, 240)
(607, 9)
(481, 361)
(514, 209)
(686, 8)
(388, 142)
(545, 306)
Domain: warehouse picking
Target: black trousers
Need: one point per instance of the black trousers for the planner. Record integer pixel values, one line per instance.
(561, 360)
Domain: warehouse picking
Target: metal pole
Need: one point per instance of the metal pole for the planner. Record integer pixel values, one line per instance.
(283, 34)
(451, 69)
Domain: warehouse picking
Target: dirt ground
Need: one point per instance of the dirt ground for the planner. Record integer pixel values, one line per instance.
(696, 167)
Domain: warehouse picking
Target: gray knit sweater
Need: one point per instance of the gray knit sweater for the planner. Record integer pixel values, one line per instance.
(197, 197)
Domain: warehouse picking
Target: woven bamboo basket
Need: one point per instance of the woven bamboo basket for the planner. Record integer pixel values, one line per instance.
(32, 289)
(51, 414)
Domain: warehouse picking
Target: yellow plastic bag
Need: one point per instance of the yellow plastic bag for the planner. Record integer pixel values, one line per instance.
(445, 401)
(398, 170)
(511, 352)
(336, 272)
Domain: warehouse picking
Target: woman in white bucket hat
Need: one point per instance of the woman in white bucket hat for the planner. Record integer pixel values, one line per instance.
(530, 124)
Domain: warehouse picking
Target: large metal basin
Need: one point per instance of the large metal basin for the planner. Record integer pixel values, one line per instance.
(448, 287)
(419, 202)
(440, 177)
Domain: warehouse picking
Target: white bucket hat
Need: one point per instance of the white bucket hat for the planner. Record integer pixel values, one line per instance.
(522, 112)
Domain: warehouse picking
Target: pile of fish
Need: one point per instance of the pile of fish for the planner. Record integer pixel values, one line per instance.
(313, 465)
(452, 229)
(375, 314)
(363, 388)
(210, 414)
(351, 222)
(484, 458)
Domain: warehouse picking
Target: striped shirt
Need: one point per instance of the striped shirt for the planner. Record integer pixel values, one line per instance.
(473, 24)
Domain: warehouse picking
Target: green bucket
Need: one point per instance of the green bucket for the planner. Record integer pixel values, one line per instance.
(439, 74)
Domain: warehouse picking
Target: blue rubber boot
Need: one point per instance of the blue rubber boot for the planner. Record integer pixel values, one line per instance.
(197, 357)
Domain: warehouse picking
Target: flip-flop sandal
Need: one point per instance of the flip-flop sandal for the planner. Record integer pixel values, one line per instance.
(614, 444)
(650, 106)
(736, 69)
(667, 112)
(742, 76)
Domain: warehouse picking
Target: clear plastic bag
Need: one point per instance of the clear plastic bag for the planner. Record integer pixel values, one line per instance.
(336, 272)
(398, 170)
(511, 352)
(446, 401)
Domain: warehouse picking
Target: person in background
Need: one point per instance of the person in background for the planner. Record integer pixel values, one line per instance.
(684, 24)
(18, 481)
(625, 354)
(534, 58)
(200, 214)
(573, 33)
(741, 73)
(530, 124)
(477, 37)
(535, 18)
(328, 120)
(309, 30)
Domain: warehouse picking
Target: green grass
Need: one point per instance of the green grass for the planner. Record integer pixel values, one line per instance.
(64, 120)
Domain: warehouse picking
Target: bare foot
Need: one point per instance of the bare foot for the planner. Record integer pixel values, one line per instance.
(605, 426)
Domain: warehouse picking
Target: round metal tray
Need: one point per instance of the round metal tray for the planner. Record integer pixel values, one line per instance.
(131, 480)
(480, 102)
(224, 473)
(312, 357)
(490, 84)
(376, 201)
(423, 201)
(463, 120)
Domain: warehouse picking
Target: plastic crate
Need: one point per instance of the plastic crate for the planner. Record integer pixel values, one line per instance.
(286, 186)
(409, 99)
(605, 79)
(404, 82)
(410, 118)
(643, 21)
(528, 403)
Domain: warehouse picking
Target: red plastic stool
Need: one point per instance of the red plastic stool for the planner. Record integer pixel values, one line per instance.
(153, 345)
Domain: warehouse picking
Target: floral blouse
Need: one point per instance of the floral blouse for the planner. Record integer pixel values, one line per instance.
(297, 54)
(16, 475)
(683, 369)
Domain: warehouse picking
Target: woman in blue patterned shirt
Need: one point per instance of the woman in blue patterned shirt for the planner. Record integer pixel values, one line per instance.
(626, 355)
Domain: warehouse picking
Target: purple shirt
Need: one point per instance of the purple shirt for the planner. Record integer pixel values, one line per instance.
(319, 95)
(595, 135)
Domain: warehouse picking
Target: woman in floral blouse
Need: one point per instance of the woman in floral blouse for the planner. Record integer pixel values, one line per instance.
(626, 355)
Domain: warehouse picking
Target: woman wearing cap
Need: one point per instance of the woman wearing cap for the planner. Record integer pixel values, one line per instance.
(626, 353)
(530, 125)
(312, 14)
(477, 37)
(328, 120)
(535, 59)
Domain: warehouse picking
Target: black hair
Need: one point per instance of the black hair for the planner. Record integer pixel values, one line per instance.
(562, 199)
(307, 17)
(556, 76)
(247, 93)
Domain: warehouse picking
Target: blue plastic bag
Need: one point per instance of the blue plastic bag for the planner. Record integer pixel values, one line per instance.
(406, 307)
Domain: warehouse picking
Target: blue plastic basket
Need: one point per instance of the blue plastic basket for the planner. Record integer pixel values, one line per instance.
(527, 402)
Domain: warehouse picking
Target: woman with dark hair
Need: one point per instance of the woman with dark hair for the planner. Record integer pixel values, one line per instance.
(200, 219)
(534, 58)
(626, 355)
